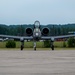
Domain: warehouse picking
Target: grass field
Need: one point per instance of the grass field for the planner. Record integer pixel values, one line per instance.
(29, 45)
(26, 44)
(39, 44)
(37, 49)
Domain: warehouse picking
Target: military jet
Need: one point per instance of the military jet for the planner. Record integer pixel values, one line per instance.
(36, 34)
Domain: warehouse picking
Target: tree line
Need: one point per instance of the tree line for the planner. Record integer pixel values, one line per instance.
(19, 30)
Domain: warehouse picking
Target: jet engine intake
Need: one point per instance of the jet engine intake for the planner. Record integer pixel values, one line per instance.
(29, 31)
(45, 31)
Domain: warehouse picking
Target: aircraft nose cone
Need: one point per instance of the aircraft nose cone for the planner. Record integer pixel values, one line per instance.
(37, 34)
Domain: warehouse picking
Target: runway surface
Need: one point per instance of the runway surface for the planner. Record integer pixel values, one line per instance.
(60, 62)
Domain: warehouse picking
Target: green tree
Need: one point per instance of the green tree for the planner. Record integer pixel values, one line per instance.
(47, 43)
(10, 44)
(71, 42)
(64, 44)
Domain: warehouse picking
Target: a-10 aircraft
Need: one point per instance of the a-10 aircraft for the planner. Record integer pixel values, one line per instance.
(36, 34)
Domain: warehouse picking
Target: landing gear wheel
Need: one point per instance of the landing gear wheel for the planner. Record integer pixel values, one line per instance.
(35, 48)
(21, 47)
(52, 47)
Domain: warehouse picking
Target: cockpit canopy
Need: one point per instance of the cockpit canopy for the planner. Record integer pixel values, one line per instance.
(37, 24)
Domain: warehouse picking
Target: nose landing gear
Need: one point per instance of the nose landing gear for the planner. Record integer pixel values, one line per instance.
(34, 46)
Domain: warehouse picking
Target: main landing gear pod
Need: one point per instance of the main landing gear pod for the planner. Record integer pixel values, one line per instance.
(22, 43)
(52, 43)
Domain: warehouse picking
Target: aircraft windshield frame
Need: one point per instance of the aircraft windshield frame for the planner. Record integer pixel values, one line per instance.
(37, 24)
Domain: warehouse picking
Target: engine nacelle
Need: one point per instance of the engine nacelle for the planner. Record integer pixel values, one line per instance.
(45, 31)
(29, 31)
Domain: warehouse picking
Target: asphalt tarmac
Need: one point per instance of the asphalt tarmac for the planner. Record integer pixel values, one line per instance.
(61, 62)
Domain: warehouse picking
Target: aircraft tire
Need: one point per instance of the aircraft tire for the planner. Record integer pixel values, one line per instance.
(21, 47)
(35, 48)
(52, 47)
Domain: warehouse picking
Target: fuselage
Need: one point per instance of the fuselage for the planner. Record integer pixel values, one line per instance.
(36, 34)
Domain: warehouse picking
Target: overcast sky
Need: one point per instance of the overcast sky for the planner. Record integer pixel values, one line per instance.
(46, 11)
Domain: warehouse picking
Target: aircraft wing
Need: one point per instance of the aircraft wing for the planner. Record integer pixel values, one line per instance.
(57, 37)
(16, 37)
